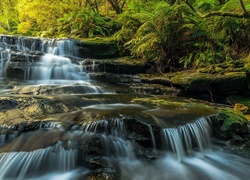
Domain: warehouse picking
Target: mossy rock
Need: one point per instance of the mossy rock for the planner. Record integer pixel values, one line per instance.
(173, 112)
(225, 67)
(193, 80)
(228, 123)
(231, 82)
(100, 48)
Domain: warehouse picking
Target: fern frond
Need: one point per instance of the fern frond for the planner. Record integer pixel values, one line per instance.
(146, 28)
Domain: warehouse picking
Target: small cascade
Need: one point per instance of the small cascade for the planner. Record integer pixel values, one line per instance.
(117, 147)
(188, 138)
(152, 137)
(107, 146)
(25, 165)
(4, 138)
(114, 127)
(5, 56)
(54, 67)
(56, 64)
(45, 61)
(50, 125)
(64, 47)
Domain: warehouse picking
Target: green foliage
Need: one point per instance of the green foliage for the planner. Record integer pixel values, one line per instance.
(159, 38)
(207, 5)
(166, 34)
(84, 23)
(2, 30)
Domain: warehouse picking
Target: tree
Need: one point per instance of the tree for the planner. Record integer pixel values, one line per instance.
(8, 15)
(159, 40)
(117, 5)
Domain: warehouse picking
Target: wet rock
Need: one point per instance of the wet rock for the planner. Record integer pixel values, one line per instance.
(18, 109)
(7, 104)
(122, 65)
(54, 89)
(139, 132)
(233, 82)
(154, 89)
(163, 80)
(229, 123)
(98, 48)
(105, 77)
(104, 174)
(32, 140)
(236, 140)
(145, 154)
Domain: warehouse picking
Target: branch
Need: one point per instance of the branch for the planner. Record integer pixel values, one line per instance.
(243, 7)
(229, 14)
(220, 13)
(190, 5)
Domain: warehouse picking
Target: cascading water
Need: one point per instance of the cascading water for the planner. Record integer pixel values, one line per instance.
(25, 165)
(185, 139)
(108, 141)
(44, 61)
(56, 64)
(4, 56)
(116, 140)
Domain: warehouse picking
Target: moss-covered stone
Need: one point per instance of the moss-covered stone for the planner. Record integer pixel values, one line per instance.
(193, 80)
(225, 67)
(175, 111)
(228, 123)
(121, 65)
(231, 82)
(98, 48)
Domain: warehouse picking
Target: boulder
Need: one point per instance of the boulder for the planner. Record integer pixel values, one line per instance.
(229, 123)
(98, 48)
(228, 83)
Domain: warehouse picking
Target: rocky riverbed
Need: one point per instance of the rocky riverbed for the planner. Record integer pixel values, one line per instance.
(105, 110)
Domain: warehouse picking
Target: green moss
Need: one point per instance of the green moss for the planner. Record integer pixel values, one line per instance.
(193, 79)
(179, 103)
(126, 60)
(156, 101)
(228, 123)
(232, 118)
(232, 66)
(98, 40)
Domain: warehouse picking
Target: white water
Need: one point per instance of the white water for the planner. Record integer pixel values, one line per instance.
(54, 65)
(56, 162)
(186, 152)
(187, 138)
(22, 165)
(59, 65)
(4, 56)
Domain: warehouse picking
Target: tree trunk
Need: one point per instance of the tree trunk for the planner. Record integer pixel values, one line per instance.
(117, 7)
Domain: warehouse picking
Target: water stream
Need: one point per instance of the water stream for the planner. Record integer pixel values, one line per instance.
(116, 140)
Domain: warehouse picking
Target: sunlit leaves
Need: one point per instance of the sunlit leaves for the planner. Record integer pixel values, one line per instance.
(84, 23)
(24, 27)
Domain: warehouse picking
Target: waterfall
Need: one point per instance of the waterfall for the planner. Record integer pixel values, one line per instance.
(47, 60)
(107, 144)
(5, 56)
(56, 63)
(188, 138)
(23, 165)
(115, 127)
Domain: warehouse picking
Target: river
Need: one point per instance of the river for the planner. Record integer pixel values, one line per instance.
(57, 123)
